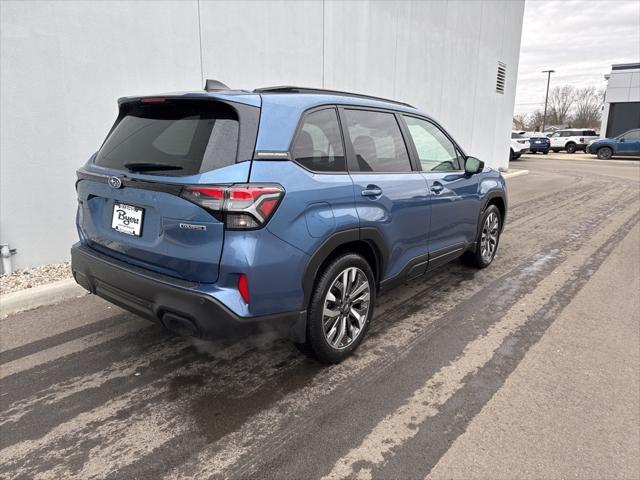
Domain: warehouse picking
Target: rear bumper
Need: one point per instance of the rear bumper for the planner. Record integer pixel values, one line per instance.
(171, 302)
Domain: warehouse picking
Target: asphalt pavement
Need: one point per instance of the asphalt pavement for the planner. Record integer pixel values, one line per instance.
(527, 369)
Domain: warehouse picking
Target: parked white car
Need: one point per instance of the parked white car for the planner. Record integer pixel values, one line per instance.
(572, 139)
(519, 145)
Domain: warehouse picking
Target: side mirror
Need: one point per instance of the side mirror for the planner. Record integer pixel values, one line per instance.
(472, 166)
(622, 140)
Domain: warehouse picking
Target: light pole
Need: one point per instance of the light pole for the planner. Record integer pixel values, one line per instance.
(544, 116)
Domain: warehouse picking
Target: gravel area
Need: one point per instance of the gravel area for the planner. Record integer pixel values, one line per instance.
(32, 277)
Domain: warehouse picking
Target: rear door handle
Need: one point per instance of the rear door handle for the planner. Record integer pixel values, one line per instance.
(372, 191)
(437, 187)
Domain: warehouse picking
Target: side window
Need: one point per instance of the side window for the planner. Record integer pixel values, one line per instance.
(632, 135)
(377, 141)
(318, 144)
(555, 134)
(436, 152)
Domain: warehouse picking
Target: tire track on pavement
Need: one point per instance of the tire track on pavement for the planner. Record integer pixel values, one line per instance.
(395, 314)
(440, 346)
(221, 460)
(540, 306)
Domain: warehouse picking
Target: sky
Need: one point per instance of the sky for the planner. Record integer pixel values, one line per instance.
(579, 40)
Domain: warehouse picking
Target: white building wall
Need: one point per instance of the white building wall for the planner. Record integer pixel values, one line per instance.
(62, 67)
(622, 86)
(64, 64)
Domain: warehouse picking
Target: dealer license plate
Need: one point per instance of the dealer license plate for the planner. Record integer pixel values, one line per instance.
(127, 219)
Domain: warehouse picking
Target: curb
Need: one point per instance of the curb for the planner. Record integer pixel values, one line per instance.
(40, 296)
(515, 173)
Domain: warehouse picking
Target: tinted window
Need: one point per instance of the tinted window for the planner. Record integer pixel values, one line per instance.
(435, 151)
(589, 133)
(516, 135)
(192, 137)
(318, 145)
(632, 135)
(377, 142)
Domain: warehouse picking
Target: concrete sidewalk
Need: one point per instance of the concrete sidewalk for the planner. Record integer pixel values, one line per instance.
(571, 409)
(48, 294)
(578, 156)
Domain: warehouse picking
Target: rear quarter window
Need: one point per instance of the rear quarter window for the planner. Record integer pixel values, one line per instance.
(188, 137)
(318, 143)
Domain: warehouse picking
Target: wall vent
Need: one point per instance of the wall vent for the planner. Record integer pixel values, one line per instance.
(501, 77)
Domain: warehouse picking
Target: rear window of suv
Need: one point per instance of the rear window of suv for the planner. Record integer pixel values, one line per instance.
(179, 137)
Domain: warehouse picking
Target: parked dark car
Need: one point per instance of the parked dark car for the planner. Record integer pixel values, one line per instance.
(223, 208)
(539, 142)
(627, 143)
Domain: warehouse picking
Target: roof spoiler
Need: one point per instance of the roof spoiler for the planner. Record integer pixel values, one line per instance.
(211, 85)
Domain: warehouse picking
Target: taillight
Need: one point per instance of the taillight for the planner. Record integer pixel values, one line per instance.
(581, 140)
(211, 198)
(245, 207)
(153, 100)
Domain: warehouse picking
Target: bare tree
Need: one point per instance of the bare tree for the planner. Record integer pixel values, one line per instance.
(588, 107)
(519, 122)
(534, 121)
(561, 100)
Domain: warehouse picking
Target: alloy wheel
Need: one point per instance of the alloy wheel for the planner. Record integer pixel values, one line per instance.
(604, 153)
(346, 308)
(489, 238)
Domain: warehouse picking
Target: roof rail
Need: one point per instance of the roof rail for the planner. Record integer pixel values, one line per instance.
(321, 91)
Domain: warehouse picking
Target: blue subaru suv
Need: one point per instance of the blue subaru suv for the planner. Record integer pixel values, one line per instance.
(213, 210)
(627, 143)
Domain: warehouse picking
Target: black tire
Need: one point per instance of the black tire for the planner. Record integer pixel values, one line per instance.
(604, 153)
(556, 150)
(570, 147)
(511, 155)
(317, 345)
(475, 257)
(545, 152)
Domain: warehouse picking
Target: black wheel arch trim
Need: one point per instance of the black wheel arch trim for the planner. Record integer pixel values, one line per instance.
(490, 195)
(370, 235)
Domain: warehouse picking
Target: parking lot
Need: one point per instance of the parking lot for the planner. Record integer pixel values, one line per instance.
(527, 369)
(562, 155)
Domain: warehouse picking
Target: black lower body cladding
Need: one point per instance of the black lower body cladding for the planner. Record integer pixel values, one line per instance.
(171, 302)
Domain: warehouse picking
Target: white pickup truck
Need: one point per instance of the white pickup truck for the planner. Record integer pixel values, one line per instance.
(572, 139)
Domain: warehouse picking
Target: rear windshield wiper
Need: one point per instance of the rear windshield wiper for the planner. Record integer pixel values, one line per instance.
(147, 166)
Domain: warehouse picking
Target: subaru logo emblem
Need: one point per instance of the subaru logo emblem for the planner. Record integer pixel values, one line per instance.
(115, 182)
